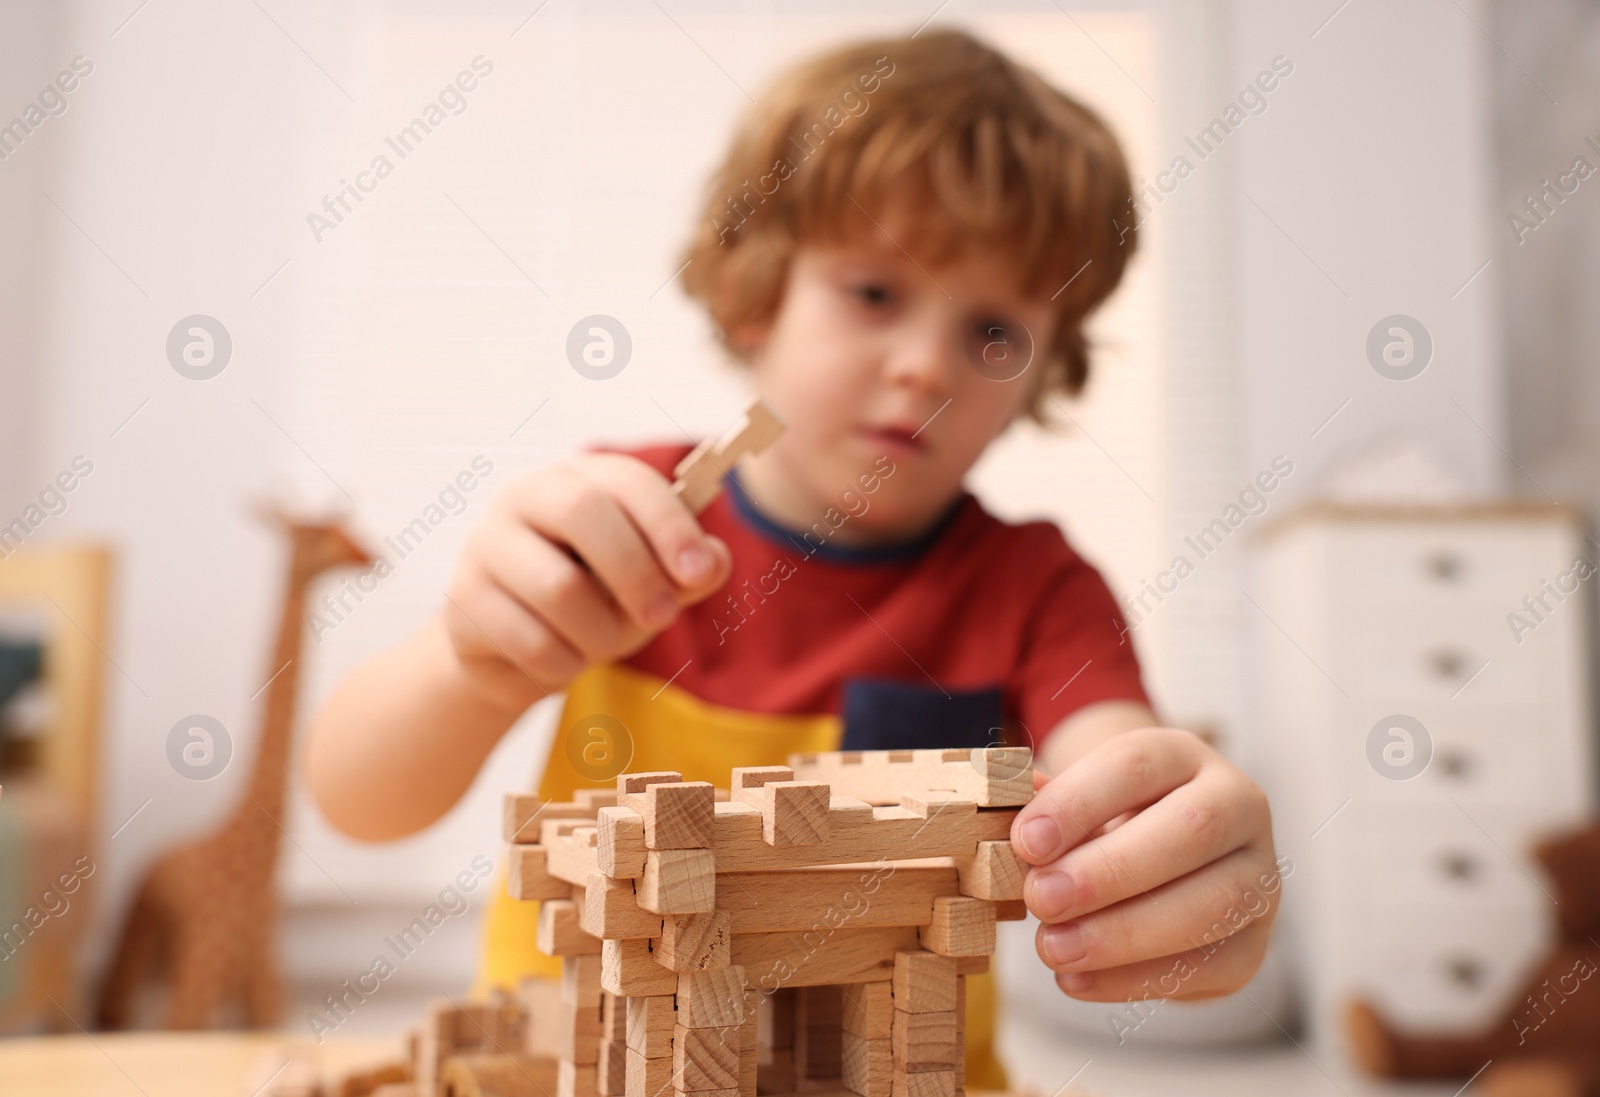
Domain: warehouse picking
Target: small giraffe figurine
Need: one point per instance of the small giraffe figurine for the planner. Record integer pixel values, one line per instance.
(207, 910)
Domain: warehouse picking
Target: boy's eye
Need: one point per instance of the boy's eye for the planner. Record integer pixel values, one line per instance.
(872, 293)
(994, 331)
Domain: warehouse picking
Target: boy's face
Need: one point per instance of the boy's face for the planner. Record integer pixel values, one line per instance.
(871, 356)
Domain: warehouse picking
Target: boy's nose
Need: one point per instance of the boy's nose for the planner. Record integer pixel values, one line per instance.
(925, 359)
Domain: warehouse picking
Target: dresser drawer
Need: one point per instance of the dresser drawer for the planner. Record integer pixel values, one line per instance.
(1426, 565)
(1458, 652)
(1449, 860)
(1440, 967)
(1475, 754)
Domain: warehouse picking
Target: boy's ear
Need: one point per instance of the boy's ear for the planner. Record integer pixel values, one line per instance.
(748, 339)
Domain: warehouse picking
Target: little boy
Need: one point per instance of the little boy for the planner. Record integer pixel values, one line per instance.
(902, 246)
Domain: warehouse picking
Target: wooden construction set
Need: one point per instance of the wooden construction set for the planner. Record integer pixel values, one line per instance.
(808, 931)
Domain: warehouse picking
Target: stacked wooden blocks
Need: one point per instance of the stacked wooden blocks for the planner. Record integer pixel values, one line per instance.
(809, 930)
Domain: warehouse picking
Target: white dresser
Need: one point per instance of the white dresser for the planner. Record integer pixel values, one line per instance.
(1412, 879)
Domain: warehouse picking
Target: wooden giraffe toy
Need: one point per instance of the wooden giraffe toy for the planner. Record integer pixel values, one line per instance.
(205, 914)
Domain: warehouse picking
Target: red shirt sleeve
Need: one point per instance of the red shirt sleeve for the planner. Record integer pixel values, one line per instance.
(1077, 651)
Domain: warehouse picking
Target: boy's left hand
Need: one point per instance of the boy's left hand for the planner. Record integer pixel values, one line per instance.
(1154, 870)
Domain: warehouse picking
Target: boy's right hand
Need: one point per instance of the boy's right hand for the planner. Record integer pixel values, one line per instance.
(577, 563)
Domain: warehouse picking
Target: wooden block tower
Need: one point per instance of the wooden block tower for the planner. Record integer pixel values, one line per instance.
(810, 930)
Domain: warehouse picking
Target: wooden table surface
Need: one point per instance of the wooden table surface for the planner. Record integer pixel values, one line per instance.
(160, 1064)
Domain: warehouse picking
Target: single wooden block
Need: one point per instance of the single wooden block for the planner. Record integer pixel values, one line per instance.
(961, 926)
(857, 833)
(650, 1024)
(678, 815)
(678, 881)
(798, 900)
(1010, 910)
(619, 844)
(989, 776)
(929, 804)
(629, 970)
(528, 875)
(925, 1041)
(705, 1058)
(576, 1080)
(775, 1071)
(867, 1065)
(992, 873)
(749, 1072)
(794, 813)
(695, 942)
(924, 982)
(631, 787)
(753, 777)
(613, 1017)
(573, 855)
(711, 999)
(817, 1017)
(961, 1032)
(560, 934)
(552, 827)
(518, 811)
(924, 1083)
(698, 477)
(868, 1010)
(775, 1018)
(611, 1071)
(817, 958)
(580, 979)
(609, 908)
(649, 1077)
(579, 1028)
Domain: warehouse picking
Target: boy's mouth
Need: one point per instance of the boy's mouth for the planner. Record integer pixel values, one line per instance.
(896, 439)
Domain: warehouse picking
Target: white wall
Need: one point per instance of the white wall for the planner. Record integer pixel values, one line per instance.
(1374, 164)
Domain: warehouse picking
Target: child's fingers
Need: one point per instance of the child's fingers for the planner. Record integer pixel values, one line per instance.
(561, 592)
(1132, 770)
(1190, 828)
(1206, 972)
(491, 626)
(573, 511)
(687, 553)
(1190, 912)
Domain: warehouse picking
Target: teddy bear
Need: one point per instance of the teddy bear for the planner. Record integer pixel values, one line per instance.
(1547, 1042)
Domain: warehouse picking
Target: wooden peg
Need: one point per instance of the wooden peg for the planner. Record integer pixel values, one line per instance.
(711, 999)
(698, 477)
(961, 926)
(619, 843)
(696, 942)
(678, 815)
(678, 881)
(924, 982)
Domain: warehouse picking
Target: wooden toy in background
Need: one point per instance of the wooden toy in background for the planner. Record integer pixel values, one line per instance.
(1548, 1043)
(698, 477)
(811, 932)
(205, 916)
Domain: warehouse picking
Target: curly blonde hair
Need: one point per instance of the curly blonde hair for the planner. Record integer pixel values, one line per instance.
(989, 153)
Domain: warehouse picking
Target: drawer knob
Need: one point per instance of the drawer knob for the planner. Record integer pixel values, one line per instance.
(1445, 567)
(1447, 663)
(1465, 972)
(1461, 867)
(1455, 764)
